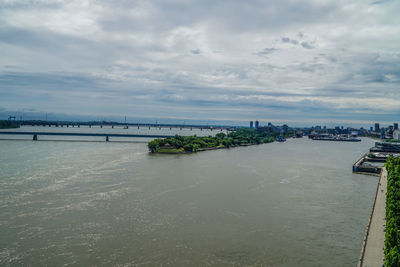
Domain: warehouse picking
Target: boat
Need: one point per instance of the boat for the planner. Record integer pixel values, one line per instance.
(281, 139)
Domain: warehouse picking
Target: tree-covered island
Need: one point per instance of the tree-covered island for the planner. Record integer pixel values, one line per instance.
(187, 144)
(8, 124)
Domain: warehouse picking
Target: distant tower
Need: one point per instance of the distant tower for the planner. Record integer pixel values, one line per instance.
(251, 124)
(377, 128)
(257, 124)
(395, 126)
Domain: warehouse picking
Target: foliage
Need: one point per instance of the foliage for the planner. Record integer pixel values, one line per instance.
(8, 124)
(392, 234)
(240, 137)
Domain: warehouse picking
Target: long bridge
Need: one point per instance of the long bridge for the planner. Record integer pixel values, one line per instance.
(125, 125)
(106, 135)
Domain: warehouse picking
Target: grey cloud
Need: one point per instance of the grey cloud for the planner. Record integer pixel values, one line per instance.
(307, 45)
(195, 51)
(288, 40)
(266, 51)
(121, 55)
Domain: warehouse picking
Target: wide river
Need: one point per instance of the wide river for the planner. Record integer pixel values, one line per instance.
(113, 204)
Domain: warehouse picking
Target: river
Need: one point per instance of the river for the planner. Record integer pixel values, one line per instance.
(113, 204)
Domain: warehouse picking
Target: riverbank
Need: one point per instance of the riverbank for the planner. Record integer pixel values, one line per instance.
(372, 250)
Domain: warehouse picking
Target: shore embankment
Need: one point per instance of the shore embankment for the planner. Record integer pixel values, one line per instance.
(372, 249)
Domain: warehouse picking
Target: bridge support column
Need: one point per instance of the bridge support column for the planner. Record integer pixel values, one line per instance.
(90, 126)
(101, 126)
(112, 126)
(34, 137)
(107, 139)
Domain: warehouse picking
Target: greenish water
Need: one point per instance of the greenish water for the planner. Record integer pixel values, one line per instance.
(281, 204)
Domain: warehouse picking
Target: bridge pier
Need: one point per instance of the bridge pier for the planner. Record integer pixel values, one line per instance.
(101, 126)
(90, 126)
(79, 126)
(112, 126)
(34, 137)
(107, 139)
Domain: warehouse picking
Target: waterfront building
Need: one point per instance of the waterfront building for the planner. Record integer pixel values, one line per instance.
(395, 126)
(377, 129)
(396, 134)
(257, 124)
(371, 129)
(251, 124)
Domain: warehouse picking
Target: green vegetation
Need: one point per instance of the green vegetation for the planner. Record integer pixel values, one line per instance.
(392, 140)
(392, 234)
(240, 137)
(8, 124)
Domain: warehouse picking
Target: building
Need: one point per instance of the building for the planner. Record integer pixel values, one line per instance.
(377, 129)
(257, 124)
(371, 129)
(251, 124)
(395, 126)
(396, 134)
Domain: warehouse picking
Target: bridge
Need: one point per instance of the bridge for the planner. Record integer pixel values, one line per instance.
(106, 135)
(125, 125)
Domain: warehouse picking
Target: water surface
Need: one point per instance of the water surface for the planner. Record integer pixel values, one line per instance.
(282, 204)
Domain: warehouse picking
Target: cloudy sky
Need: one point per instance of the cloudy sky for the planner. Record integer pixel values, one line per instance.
(299, 62)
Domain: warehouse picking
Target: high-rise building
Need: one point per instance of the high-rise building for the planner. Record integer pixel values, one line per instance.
(377, 129)
(251, 124)
(395, 126)
(371, 128)
(257, 124)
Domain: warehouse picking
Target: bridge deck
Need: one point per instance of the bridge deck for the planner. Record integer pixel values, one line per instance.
(84, 134)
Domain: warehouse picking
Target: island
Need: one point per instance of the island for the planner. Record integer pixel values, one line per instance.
(8, 124)
(189, 144)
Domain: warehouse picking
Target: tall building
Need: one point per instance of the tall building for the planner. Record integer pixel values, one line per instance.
(396, 126)
(251, 124)
(377, 129)
(257, 124)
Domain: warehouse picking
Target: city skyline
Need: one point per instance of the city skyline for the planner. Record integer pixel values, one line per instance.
(301, 64)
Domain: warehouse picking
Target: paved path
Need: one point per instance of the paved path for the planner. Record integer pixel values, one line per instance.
(374, 254)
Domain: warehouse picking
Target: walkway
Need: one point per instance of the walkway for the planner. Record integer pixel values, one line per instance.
(375, 236)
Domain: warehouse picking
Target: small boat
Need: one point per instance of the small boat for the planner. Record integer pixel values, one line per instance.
(281, 139)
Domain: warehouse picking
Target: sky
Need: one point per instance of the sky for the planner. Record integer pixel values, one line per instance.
(304, 62)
